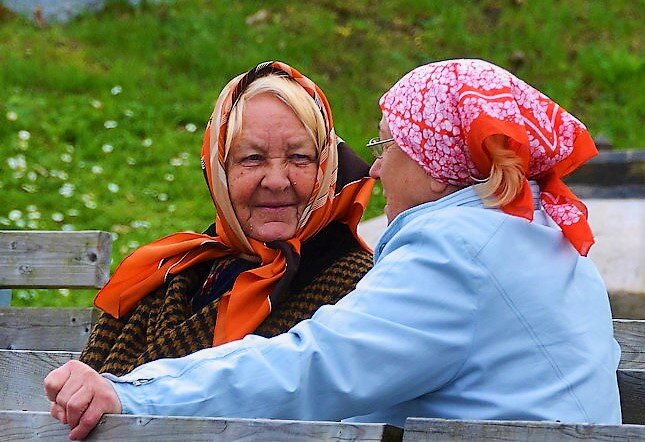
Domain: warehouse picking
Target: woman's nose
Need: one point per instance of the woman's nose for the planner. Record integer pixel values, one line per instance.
(276, 175)
(375, 170)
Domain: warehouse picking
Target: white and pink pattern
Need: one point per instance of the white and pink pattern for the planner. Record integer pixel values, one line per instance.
(440, 113)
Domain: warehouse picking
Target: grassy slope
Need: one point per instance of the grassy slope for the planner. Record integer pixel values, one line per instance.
(155, 72)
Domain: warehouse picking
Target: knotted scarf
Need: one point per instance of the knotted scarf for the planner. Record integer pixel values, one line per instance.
(244, 307)
(441, 113)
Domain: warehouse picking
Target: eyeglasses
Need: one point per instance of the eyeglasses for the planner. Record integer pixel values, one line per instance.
(376, 145)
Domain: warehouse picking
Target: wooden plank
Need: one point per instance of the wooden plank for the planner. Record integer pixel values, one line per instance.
(48, 259)
(630, 334)
(17, 425)
(425, 430)
(631, 384)
(22, 373)
(62, 329)
(21, 377)
(67, 329)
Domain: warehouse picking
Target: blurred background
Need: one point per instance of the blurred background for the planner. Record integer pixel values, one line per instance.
(103, 103)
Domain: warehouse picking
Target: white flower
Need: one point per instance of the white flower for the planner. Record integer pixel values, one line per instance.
(66, 158)
(12, 116)
(190, 127)
(137, 224)
(97, 169)
(63, 292)
(68, 227)
(169, 177)
(60, 174)
(29, 188)
(107, 148)
(17, 163)
(88, 200)
(72, 212)
(24, 135)
(116, 90)
(112, 187)
(57, 217)
(131, 161)
(96, 104)
(110, 124)
(15, 215)
(147, 142)
(162, 197)
(128, 113)
(66, 190)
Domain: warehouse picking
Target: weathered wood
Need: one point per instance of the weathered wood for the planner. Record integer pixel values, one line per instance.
(22, 373)
(631, 384)
(17, 425)
(21, 377)
(47, 259)
(67, 329)
(45, 328)
(425, 430)
(630, 334)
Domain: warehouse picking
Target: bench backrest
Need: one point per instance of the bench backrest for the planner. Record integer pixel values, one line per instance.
(51, 259)
(420, 429)
(35, 425)
(22, 373)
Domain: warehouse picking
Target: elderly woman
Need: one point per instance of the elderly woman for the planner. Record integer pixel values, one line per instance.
(289, 195)
(480, 305)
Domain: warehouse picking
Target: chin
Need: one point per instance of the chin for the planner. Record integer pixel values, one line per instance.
(275, 231)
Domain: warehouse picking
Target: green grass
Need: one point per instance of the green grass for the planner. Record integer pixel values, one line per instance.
(154, 73)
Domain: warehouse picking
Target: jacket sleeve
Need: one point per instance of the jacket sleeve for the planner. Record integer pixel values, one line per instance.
(403, 332)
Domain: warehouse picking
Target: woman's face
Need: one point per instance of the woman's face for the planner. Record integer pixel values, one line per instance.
(405, 183)
(271, 169)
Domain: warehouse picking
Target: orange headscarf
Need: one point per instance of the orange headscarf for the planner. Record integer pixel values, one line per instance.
(441, 113)
(246, 305)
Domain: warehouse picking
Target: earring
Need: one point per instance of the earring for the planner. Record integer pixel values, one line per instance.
(479, 180)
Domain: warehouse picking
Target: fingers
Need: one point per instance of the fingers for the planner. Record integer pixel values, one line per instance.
(80, 396)
(78, 402)
(85, 408)
(87, 421)
(55, 380)
(58, 412)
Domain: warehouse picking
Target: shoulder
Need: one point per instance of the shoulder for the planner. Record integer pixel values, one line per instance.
(464, 230)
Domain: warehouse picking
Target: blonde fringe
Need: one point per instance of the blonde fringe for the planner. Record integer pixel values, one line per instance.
(506, 175)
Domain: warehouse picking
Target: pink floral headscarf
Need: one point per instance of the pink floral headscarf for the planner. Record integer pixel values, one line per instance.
(441, 113)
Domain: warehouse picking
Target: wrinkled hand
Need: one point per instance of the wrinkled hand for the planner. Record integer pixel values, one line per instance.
(80, 396)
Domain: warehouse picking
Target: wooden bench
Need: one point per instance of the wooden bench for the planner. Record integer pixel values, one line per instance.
(426, 430)
(36, 340)
(52, 259)
(22, 373)
(20, 425)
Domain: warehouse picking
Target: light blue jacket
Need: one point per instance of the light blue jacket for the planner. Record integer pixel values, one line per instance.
(468, 313)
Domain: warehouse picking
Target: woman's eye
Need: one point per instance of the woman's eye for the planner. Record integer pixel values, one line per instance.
(301, 159)
(252, 159)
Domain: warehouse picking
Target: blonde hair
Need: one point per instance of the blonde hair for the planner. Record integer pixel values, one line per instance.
(506, 174)
(293, 95)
